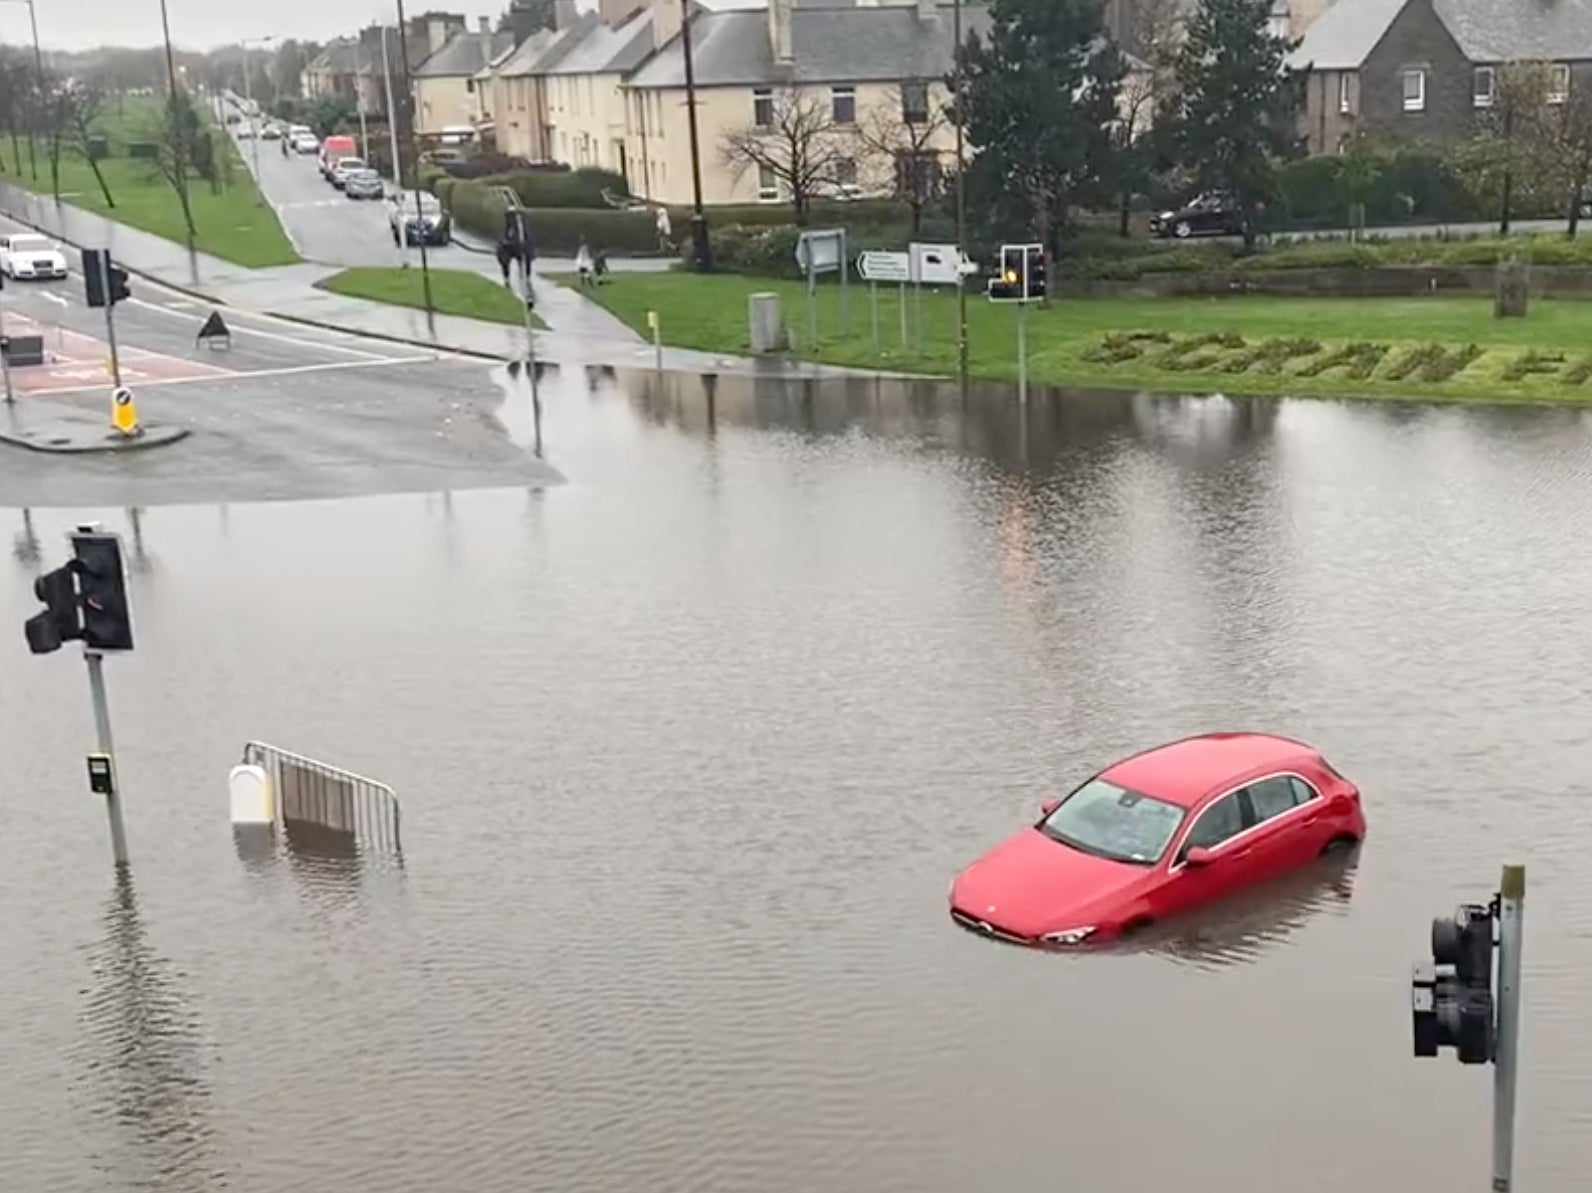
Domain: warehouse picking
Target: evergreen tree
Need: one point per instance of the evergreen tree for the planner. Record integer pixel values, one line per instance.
(1040, 103)
(1235, 111)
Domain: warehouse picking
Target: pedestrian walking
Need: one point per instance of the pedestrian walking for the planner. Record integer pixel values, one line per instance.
(665, 231)
(585, 266)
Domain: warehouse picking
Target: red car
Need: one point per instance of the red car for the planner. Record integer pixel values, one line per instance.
(1157, 834)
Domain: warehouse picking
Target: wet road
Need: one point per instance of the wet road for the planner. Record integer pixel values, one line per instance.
(690, 748)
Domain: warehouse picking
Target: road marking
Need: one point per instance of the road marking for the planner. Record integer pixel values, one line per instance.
(298, 341)
(267, 374)
(54, 297)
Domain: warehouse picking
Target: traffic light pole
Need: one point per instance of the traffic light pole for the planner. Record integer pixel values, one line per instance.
(1511, 916)
(110, 318)
(1022, 353)
(102, 730)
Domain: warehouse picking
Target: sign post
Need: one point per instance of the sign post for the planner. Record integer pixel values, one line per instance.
(1511, 914)
(875, 267)
(823, 251)
(103, 264)
(1021, 281)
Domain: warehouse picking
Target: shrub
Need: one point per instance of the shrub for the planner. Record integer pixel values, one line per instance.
(143, 149)
(477, 207)
(482, 164)
(1408, 184)
(1578, 372)
(1446, 364)
(1532, 362)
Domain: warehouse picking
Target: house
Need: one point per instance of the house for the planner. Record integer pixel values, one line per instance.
(587, 107)
(862, 62)
(518, 99)
(1425, 69)
(444, 84)
(334, 71)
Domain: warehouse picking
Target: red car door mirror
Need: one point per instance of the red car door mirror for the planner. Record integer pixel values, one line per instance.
(1198, 856)
(1049, 806)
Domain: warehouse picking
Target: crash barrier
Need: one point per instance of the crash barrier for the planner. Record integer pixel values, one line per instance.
(23, 350)
(292, 790)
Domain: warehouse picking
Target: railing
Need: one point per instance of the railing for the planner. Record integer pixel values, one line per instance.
(308, 792)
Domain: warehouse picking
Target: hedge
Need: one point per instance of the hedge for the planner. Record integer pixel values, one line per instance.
(477, 207)
(543, 188)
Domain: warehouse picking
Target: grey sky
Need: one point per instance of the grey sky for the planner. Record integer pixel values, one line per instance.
(201, 24)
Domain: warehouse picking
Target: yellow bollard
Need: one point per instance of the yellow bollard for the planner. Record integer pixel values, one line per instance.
(656, 327)
(124, 414)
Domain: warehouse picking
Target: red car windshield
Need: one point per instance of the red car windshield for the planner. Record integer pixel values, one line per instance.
(1112, 822)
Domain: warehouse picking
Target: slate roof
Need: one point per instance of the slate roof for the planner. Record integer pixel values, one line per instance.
(463, 55)
(890, 43)
(524, 58)
(606, 51)
(339, 57)
(1485, 30)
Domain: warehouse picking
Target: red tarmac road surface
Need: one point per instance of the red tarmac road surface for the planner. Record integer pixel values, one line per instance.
(76, 361)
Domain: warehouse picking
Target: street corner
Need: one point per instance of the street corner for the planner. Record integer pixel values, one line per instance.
(64, 430)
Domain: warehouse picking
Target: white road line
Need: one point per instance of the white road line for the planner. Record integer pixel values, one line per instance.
(53, 297)
(272, 335)
(167, 382)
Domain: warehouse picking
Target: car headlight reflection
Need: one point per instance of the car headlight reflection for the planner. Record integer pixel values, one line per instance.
(1070, 937)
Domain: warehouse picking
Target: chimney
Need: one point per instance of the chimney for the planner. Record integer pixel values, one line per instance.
(565, 14)
(666, 21)
(779, 38)
(485, 24)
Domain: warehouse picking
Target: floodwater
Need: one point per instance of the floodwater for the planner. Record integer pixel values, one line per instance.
(690, 747)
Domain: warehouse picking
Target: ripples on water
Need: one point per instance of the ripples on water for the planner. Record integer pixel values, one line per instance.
(690, 749)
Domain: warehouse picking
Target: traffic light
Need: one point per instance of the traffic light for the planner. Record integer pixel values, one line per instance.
(104, 281)
(61, 620)
(1022, 274)
(1452, 995)
(102, 590)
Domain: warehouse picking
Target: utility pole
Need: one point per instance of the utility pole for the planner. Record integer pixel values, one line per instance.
(174, 129)
(961, 195)
(5, 353)
(1452, 1002)
(701, 243)
(414, 146)
(397, 161)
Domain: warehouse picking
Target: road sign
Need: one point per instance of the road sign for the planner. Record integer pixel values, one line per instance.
(884, 267)
(124, 415)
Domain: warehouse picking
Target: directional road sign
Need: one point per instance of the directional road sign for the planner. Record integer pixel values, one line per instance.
(884, 267)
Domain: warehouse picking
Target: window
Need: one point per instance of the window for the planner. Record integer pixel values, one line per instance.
(1277, 25)
(1112, 822)
(1303, 792)
(767, 185)
(1415, 91)
(1220, 821)
(763, 107)
(915, 103)
(846, 171)
(1484, 86)
(1272, 797)
(1558, 83)
(1346, 92)
(918, 175)
(843, 103)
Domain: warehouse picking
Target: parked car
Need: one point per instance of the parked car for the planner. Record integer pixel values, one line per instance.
(427, 224)
(333, 149)
(306, 143)
(1157, 834)
(363, 184)
(1210, 214)
(26, 255)
(343, 168)
(271, 132)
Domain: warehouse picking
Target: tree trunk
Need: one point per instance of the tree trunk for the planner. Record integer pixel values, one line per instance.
(1125, 213)
(93, 164)
(1507, 202)
(33, 155)
(1577, 197)
(916, 206)
(16, 148)
(55, 165)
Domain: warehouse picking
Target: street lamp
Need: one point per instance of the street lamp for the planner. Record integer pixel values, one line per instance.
(174, 129)
(961, 195)
(248, 95)
(38, 66)
(414, 150)
(701, 245)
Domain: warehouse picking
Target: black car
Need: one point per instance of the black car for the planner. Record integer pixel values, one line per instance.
(1207, 215)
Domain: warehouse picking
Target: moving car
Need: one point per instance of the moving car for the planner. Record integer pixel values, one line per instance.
(363, 184)
(1160, 833)
(343, 168)
(305, 143)
(430, 224)
(271, 132)
(1210, 214)
(29, 256)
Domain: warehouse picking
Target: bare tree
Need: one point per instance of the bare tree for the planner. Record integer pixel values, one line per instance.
(75, 111)
(1513, 132)
(1150, 79)
(900, 138)
(1567, 133)
(174, 139)
(795, 145)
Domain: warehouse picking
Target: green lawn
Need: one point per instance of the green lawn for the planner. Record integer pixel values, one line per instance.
(233, 222)
(1084, 341)
(453, 292)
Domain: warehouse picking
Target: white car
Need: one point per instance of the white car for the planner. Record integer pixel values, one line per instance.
(306, 143)
(26, 255)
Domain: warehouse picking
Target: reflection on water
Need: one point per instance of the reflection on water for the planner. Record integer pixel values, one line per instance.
(691, 747)
(141, 1069)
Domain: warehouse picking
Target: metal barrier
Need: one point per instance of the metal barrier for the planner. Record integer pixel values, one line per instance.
(338, 802)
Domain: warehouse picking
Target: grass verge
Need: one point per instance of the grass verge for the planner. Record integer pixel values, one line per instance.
(232, 220)
(1425, 349)
(453, 292)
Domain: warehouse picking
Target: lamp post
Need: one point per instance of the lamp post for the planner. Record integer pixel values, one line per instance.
(38, 68)
(174, 129)
(248, 96)
(414, 150)
(701, 246)
(397, 159)
(961, 195)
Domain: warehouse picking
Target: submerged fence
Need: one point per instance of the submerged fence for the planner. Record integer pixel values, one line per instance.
(334, 801)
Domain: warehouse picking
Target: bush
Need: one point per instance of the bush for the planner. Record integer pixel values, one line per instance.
(147, 150)
(1409, 184)
(548, 188)
(483, 164)
(477, 207)
(98, 148)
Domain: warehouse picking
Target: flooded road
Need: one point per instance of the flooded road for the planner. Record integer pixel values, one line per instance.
(690, 748)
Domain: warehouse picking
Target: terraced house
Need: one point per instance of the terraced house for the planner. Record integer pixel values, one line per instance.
(1425, 69)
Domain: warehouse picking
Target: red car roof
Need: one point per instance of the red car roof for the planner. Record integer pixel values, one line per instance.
(1185, 772)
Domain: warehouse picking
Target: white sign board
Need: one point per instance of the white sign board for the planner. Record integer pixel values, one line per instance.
(824, 249)
(884, 267)
(936, 265)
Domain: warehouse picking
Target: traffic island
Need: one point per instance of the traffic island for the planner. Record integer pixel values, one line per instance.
(42, 426)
